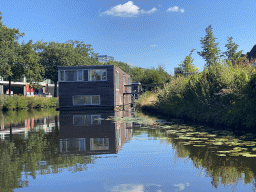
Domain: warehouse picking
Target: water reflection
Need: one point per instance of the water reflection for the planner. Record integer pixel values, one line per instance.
(153, 160)
(90, 132)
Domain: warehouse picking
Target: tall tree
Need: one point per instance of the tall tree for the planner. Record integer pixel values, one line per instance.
(137, 74)
(29, 61)
(210, 49)
(187, 65)
(9, 47)
(82, 53)
(70, 53)
(231, 53)
(151, 76)
(165, 77)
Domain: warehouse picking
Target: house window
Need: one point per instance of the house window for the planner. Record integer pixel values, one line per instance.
(98, 75)
(86, 100)
(62, 73)
(85, 75)
(95, 99)
(86, 120)
(79, 75)
(70, 75)
(117, 80)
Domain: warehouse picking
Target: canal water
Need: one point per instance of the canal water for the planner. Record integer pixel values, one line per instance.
(120, 151)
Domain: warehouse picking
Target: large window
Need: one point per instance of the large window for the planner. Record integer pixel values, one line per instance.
(86, 120)
(82, 75)
(86, 100)
(70, 75)
(98, 75)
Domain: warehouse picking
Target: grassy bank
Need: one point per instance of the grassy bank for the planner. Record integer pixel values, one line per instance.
(221, 95)
(22, 102)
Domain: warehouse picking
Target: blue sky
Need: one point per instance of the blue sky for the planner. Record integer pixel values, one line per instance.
(142, 33)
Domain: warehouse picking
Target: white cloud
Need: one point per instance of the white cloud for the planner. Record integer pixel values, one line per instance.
(127, 10)
(151, 11)
(175, 9)
(153, 45)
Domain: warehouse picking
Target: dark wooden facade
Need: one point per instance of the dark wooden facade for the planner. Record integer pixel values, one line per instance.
(106, 89)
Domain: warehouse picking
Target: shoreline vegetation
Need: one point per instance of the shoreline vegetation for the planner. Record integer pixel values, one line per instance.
(222, 95)
(9, 103)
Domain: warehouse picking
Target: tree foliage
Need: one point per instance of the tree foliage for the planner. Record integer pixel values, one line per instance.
(29, 62)
(231, 53)
(9, 47)
(55, 54)
(210, 50)
(187, 65)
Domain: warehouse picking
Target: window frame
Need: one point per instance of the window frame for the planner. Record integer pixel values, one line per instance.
(82, 74)
(76, 80)
(85, 104)
(89, 79)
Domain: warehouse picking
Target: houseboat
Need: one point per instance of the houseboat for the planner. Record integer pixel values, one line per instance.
(98, 86)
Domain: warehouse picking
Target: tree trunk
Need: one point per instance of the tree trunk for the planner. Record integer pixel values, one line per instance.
(11, 132)
(9, 85)
(55, 88)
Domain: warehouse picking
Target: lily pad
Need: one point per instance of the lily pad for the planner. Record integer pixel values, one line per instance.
(199, 145)
(222, 155)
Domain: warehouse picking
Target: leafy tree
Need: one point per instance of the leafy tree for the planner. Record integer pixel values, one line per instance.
(29, 63)
(70, 53)
(124, 66)
(9, 47)
(231, 53)
(187, 65)
(165, 77)
(210, 50)
(136, 74)
(151, 76)
(82, 53)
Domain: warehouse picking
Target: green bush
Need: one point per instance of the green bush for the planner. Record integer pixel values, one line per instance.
(222, 95)
(2, 100)
(10, 102)
(21, 102)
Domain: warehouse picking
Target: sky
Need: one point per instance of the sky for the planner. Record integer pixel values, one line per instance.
(141, 33)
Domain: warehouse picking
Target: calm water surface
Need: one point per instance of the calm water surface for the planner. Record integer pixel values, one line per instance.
(118, 151)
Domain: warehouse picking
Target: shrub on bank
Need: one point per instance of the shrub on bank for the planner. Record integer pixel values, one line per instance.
(21, 102)
(222, 94)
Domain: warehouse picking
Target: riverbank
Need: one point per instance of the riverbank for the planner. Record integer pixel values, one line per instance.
(21, 102)
(220, 96)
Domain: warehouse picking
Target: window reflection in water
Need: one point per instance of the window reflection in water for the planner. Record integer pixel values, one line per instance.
(72, 144)
(99, 143)
(86, 120)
